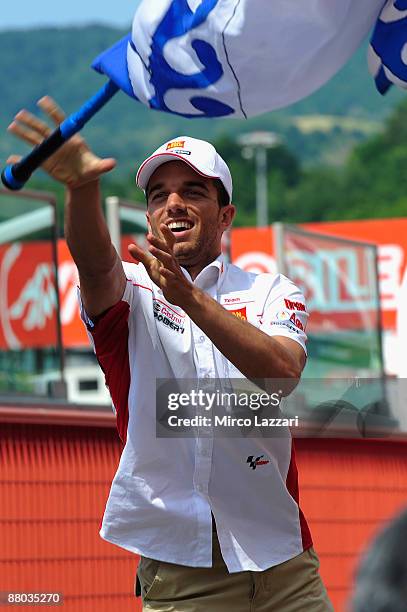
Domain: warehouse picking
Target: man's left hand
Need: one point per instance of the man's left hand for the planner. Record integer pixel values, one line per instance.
(163, 268)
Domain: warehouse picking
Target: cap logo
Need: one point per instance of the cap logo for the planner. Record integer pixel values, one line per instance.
(176, 144)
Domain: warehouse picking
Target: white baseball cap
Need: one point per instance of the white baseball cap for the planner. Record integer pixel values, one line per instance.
(199, 154)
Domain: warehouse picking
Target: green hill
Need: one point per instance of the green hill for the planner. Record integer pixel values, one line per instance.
(56, 62)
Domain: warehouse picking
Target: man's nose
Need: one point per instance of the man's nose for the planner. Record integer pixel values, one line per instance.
(175, 203)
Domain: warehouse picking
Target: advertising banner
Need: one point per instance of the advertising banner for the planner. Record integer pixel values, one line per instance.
(254, 249)
(27, 296)
(28, 300)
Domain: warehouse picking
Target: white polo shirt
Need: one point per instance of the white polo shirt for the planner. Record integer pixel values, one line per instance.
(165, 489)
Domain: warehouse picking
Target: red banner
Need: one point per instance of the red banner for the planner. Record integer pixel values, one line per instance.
(253, 249)
(28, 301)
(27, 296)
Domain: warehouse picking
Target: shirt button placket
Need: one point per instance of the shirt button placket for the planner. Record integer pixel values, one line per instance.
(203, 455)
(204, 442)
(203, 462)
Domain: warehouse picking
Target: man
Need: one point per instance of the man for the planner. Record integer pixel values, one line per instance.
(215, 520)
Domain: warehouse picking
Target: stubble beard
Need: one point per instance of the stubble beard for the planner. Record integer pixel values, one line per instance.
(202, 251)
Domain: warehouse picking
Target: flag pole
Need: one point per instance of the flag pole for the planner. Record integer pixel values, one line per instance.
(15, 176)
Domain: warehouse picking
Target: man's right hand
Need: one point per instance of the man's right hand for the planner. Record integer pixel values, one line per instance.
(73, 164)
(101, 272)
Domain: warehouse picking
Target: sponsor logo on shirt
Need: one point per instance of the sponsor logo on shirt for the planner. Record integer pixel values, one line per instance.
(240, 313)
(176, 144)
(168, 317)
(295, 321)
(283, 315)
(231, 300)
(294, 305)
(286, 325)
(256, 461)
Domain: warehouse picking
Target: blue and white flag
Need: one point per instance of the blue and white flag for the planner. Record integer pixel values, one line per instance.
(239, 58)
(387, 53)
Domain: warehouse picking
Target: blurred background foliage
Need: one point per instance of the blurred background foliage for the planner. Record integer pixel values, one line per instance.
(343, 150)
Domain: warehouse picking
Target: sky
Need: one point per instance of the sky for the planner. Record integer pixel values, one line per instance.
(29, 13)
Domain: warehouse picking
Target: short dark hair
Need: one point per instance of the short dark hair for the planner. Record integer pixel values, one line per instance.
(223, 196)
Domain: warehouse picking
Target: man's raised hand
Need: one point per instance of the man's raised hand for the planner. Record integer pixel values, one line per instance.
(163, 268)
(73, 164)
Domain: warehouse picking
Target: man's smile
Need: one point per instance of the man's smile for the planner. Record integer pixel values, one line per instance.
(180, 227)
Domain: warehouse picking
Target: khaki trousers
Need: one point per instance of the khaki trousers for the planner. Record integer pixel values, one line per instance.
(293, 586)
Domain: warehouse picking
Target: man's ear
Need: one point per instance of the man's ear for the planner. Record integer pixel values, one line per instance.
(228, 214)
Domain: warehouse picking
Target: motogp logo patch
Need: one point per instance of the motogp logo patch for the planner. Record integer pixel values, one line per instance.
(256, 461)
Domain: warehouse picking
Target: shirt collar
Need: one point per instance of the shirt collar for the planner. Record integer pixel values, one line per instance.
(212, 274)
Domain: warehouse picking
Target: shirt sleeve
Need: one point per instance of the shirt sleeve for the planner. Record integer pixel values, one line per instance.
(136, 276)
(285, 312)
(108, 334)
